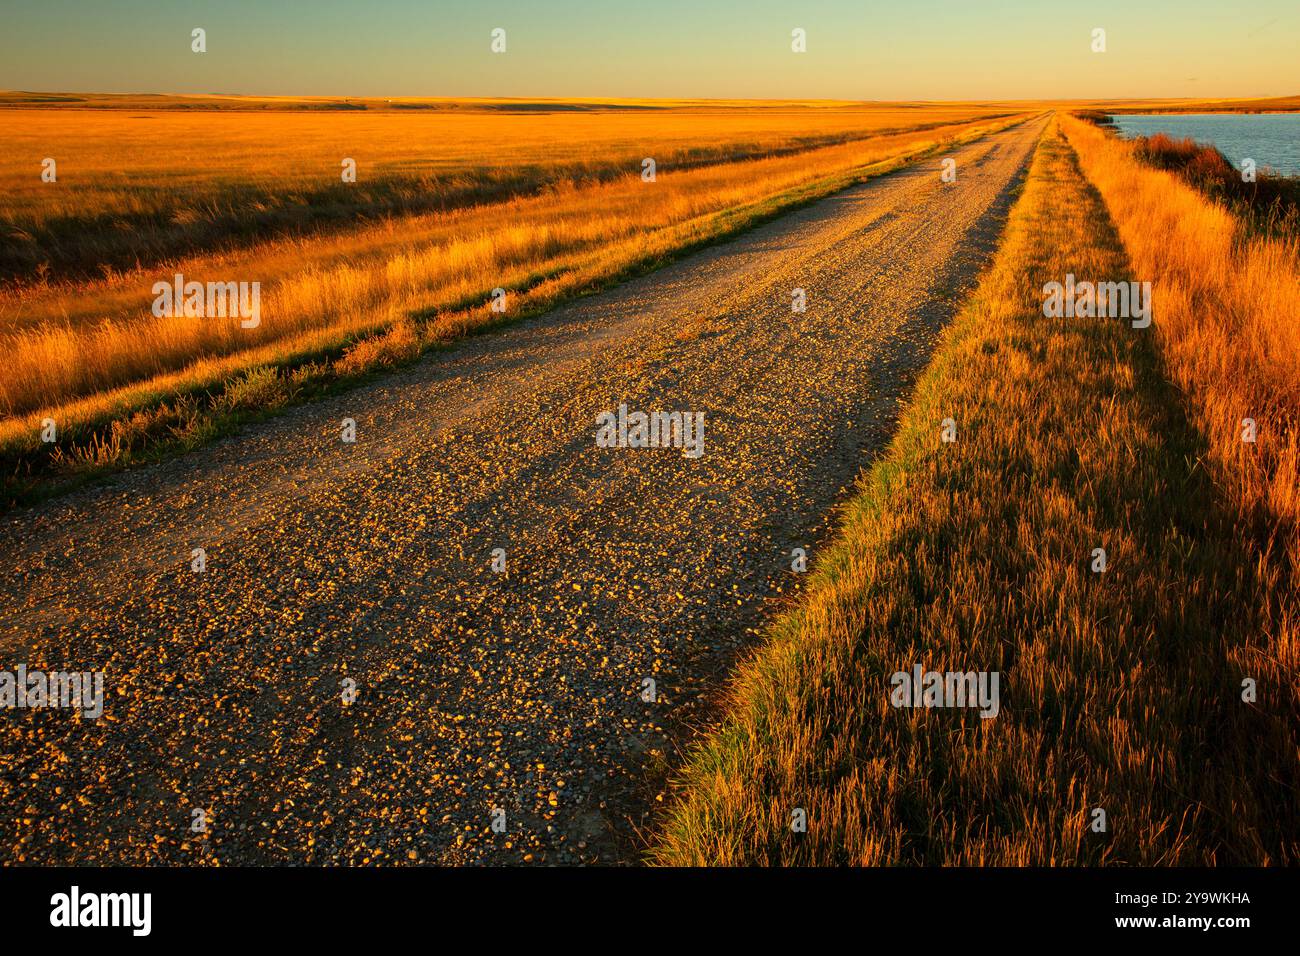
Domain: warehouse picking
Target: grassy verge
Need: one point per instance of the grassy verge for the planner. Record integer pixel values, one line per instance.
(114, 429)
(1121, 690)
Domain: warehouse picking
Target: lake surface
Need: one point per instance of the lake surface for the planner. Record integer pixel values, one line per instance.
(1270, 139)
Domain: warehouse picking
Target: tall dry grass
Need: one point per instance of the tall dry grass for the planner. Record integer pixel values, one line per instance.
(1269, 203)
(1120, 690)
(1227, 312)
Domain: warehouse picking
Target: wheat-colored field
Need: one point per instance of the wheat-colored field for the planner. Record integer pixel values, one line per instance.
(152, 184)
(338, 300)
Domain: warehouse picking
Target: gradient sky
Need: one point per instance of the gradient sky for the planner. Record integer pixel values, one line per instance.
(857, 49)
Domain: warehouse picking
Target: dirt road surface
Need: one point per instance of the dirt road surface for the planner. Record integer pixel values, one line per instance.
(364, 570)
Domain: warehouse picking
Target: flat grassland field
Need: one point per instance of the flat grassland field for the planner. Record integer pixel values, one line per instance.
(451, 200)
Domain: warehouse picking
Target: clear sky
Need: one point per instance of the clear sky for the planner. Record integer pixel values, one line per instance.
(857, 49)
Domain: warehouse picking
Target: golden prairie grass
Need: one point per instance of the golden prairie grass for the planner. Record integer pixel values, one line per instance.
(138, 187)
(1227, 312)
(91, 354)
(1120, 690)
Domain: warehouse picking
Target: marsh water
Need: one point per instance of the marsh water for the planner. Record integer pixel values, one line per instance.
(1270, 139)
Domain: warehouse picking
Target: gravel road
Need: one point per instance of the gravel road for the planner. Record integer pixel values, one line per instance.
(367, 567)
